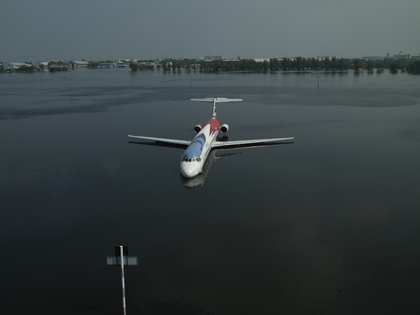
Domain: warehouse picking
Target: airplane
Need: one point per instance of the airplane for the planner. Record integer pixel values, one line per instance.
(197, 150)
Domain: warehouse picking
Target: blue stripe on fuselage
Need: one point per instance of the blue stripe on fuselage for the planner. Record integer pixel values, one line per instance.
(195, 148)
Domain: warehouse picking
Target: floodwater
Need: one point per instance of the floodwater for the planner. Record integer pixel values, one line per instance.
(327, 225)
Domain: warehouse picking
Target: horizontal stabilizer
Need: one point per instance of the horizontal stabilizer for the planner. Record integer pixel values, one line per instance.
(217, 99)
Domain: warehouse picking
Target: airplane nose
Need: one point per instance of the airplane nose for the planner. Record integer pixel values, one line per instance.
(188, 171)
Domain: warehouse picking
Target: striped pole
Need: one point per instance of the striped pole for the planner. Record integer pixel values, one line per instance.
(120, 251)
(122, 279)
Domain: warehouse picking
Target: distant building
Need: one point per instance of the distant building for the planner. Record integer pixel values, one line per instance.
(321, 58)
(401, 56)
(261, 59)
(122, 64)
(147, 63)
(15, 65)
(374, 57)
(213, 58)
(73, 65)
(106, 65)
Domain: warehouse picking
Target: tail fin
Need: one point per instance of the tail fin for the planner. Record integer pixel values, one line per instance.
(216, 100)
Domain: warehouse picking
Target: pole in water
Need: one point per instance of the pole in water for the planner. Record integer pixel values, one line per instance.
(122, 280)
(121, 258)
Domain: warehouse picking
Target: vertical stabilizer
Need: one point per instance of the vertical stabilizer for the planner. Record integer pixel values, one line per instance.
(214, 108)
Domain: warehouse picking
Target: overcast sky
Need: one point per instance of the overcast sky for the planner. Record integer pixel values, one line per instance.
(147, 29)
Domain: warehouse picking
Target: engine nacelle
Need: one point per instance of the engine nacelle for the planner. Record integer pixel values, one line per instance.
(198, 128)
(224, 128)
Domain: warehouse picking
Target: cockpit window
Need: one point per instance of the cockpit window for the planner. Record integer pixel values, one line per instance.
(185, 159)
(196, 146)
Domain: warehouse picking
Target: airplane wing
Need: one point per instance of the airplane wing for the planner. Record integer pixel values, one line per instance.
(164, 140)
(256, 142)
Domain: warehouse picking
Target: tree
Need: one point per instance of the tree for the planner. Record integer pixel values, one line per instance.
(357, 64)
(27, 69)
(343, 64)
(57, 69)
(379, 64)
(334, 63)
(274, 64)
(134, 66)
(393, 67)
(265, 65)
(297, 63)
(286, 63)
(370, 64)
(414, 67)
(314, 64)
(327, 63)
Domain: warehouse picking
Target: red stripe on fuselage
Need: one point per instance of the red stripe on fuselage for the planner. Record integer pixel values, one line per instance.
(214, 125)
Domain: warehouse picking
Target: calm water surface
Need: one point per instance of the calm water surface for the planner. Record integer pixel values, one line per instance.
(327, 225)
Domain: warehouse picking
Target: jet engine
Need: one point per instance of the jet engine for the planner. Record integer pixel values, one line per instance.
(224, 128)
(198, 128)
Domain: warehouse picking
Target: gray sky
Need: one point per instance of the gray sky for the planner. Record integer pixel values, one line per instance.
(147, 29)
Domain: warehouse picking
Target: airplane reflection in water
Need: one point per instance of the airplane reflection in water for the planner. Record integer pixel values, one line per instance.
(197, 151)
(198, 181)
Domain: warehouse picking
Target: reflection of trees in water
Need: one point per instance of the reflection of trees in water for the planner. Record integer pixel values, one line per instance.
(297, 63)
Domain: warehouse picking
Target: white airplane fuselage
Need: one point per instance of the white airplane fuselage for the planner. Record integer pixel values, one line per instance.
(194, 157)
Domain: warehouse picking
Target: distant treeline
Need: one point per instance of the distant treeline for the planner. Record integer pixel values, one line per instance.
(30, 68)
(136, 67)
(23, 69)
(274, 64)
(57, 66)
